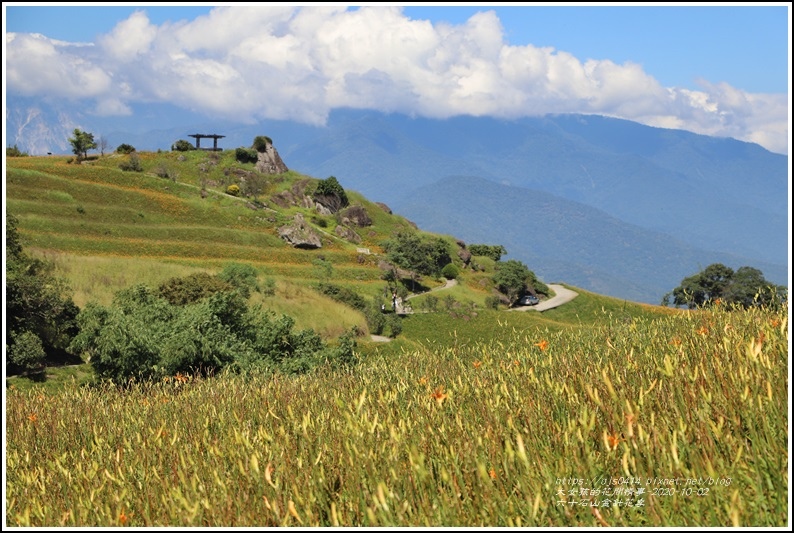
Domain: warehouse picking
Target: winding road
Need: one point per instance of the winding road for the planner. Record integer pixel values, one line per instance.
(561, 296)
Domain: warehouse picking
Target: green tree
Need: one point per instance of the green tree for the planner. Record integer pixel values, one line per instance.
(82, 142)
(426, 257)
(511, 279)
(748, 287)
(37, 303)
(744, 287)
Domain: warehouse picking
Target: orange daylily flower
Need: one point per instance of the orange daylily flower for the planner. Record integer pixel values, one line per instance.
(423, 380)
(123, 518)
(32, 417)
(542, 344)
(775, 323)
(613, 440)
(477, 364)
(702, 331)
(439, 396)
(516, 362)
(676, 342)
(492, 473)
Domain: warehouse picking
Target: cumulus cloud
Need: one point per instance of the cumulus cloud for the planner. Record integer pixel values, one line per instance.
(250, 63)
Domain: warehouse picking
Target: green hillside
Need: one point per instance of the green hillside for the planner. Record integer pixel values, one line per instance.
(107, 229)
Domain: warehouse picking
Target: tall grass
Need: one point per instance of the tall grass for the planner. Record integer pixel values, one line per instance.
(521, 430)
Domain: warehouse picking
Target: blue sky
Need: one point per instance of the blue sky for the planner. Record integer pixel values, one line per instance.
(704, 65)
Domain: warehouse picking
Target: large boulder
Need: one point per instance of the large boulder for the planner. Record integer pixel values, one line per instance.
(269, 162)
(299, 234)
(356, 215)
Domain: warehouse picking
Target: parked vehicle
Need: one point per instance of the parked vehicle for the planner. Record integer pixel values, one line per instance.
(528, 299)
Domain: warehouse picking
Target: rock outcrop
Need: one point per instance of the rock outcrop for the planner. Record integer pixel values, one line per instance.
(356, 215)
(269, 162)
(300, 235)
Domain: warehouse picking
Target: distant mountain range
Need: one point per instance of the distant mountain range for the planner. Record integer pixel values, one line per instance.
(608, 205)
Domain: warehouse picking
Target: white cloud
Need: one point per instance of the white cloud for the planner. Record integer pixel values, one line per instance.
(130, 38)
(249, 63)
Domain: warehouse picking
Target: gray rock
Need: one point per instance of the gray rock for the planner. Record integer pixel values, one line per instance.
(269, 162)
(299, 234)
(356, 215)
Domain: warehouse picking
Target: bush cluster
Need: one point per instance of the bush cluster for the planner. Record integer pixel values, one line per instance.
(182, 146)
(125, 149)
(245, 155)
(494, 252)
(142, 336)
(450, 271)
(331, 194)
(13, 151)
(343, 295)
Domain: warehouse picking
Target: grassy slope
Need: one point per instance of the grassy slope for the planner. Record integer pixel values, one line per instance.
(106, 229)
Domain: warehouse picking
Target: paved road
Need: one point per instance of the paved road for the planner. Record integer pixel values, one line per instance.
(561, 296)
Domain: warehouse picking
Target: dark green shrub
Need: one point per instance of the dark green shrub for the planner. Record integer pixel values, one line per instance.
(494, 252)
(182, 146)
(450, 271)
(245, 155)
(261, 142)
(343, 295)
(26, 351)
(13, 151)
(125, 149)
(331, 194)
(192, 288)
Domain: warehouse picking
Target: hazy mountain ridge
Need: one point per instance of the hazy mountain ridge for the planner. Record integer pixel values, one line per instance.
(564, 240)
